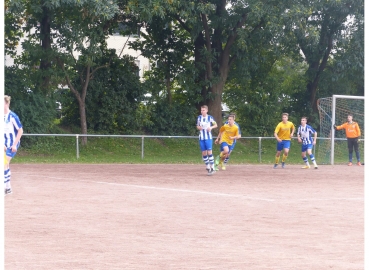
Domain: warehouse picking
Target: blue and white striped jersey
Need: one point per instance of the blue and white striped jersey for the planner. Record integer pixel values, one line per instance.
(305, 134)
(11, 126)
(205, 122)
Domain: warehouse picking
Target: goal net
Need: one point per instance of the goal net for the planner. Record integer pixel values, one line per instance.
(334, 110)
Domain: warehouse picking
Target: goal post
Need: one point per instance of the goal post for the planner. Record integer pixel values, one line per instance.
(334, 110)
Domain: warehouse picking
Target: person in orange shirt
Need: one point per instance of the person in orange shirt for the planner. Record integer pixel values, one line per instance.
(352, 134)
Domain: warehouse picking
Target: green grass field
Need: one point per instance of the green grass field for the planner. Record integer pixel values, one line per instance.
(156, 150)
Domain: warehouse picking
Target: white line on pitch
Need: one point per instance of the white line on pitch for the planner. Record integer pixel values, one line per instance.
(170, 189)
(182, 190)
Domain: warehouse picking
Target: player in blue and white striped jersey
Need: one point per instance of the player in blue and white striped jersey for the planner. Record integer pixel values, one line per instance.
(304, 133)
(13, 132)
(205, 123)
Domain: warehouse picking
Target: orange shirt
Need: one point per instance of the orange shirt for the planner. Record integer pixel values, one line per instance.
(352, 129)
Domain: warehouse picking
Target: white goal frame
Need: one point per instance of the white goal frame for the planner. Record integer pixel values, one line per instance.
(334, 97)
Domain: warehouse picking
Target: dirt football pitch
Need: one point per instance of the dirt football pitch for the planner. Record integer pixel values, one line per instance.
(176, 217)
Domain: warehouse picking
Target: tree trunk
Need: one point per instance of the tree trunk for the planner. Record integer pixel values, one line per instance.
(83, 120)
(215, 103)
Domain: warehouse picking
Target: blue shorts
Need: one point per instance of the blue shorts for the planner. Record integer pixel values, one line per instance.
(224, 144)
(206, 145)
(232, 146)
(283, 144)
(9, 152)
(305, 147)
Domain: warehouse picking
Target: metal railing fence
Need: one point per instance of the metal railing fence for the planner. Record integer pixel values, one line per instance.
(77, 136)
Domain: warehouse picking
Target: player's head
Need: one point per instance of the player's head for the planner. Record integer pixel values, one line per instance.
(6, 103)
(304, 120)
(349, 117)
(284, 117)
(204, 110)
(231, 118)
(234, 115)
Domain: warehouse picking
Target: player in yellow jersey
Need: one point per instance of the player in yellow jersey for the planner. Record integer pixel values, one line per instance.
(229, 132)
(283, 133)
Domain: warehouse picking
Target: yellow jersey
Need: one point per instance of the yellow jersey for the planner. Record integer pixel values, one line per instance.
(228, 132)
(284, 131)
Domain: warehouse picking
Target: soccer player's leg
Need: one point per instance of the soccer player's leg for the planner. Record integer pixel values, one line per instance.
(224, 155)
(209, 146)
(311, 155)
(286, 148)
(304, 157)
(204, 153)
(7, 172)
(229, 154)
(278, 154)
(350, 149)
(357, 152)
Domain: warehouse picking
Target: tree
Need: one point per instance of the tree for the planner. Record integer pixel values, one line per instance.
(319, 28)
(220, 32)
(73, 35)
(112, 97)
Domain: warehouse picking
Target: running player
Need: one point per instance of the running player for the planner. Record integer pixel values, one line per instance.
(13, 132)
(304, 133)
(283, 133)
(228, 133)
(225, 162)
(205, 123)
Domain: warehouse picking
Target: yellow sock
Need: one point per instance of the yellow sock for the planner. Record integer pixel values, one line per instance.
(276, 160)
(284, 158)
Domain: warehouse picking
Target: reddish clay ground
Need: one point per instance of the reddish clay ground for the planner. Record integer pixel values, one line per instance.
(176, 217)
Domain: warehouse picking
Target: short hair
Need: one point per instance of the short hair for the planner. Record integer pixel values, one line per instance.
(232, 115)
(7, 99)
(350, 114)
(286, 114)
(205, 106)
(304, 117)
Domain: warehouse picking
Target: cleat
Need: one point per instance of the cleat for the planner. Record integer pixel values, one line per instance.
(358, 163)
(283, 165)
(349, 164)
(217, 159)
(316, 167)
(216, 168)
(8, 191)
(306, 167)
(223, 167)
(211, 172)
(275, 166)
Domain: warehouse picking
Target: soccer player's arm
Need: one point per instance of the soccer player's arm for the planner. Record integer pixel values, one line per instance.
(358, 130)
(293, 130)
(315, 136)
(239, 132)
(276, 133)
(299, 135)
(17, 139)
(198, 126)
(339, 127)
(214, 124)
(221, 130)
